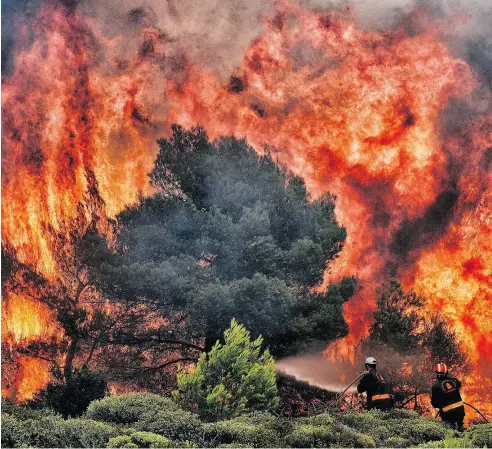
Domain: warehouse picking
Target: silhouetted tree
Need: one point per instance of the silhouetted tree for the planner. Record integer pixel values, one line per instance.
(229, 234)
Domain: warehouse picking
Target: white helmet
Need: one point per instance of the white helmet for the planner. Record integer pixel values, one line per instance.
(370, 361)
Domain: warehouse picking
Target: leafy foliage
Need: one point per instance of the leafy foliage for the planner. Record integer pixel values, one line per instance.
(177, 428)
(10, 430)
(72, 396)
(44, 432)
(88, 433)
(139, 439)
(231, 379)
(481, 435)
(129, 408)
(174, 424)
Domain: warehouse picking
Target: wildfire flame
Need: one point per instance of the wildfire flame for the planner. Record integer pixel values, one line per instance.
(357, 113)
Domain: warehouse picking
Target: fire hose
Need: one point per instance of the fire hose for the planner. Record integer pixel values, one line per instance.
(478, 411)
(438, 412)
(415, 395)
(340, 396)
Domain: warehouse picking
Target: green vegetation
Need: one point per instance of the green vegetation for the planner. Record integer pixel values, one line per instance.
(129, 408)
(70, 396)
(256, 429)
(231, 379)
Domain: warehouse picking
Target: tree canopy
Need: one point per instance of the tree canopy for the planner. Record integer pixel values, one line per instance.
(229, 234)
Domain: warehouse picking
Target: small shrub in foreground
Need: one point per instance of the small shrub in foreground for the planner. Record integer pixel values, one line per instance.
(173, 424)
(310, 436)
(121, 441)
(128, 408)
(396, 442)
(240, 431)
(45, 432)
(481, 435)
(10, 430)
(425, 430)
(88, 433)
(231, 379)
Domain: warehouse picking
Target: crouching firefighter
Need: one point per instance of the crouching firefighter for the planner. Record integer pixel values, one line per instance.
(447, 398)
(375, 387)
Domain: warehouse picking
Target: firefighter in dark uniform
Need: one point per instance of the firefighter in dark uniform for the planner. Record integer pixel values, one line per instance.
(375, 387)
(447, 398)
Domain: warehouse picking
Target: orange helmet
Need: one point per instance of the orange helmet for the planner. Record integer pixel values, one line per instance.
(441, 368)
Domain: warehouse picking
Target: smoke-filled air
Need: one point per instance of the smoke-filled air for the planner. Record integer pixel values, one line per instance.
(312, 175)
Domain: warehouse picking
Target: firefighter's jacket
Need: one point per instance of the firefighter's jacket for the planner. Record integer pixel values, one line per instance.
(377, 391)
(447, 398)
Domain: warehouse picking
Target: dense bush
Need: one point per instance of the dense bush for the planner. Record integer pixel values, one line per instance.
(231, 379)
(121, 441)
(310, 436)
(128, 408)
(88, 433)
(139, 439)
(243, 431)
(174, 424)
(72, 396)
(23, 412)
(426, 430)
(45, 432)
(481, 435)
(10, 430)
(344, 436)
(396, 442)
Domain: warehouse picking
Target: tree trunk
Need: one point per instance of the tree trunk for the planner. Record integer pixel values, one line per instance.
(72, 350)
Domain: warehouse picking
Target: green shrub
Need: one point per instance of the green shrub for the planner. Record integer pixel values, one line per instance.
(396, 442)
(23, 412)
(424, 430)
(128, 408)
(344, 436)
(324, 419)
(400, 413)
(481, 435)
(88, 433)
(280, 425)
(310, 436)
(149, 439)
(432, 444)
(184, 444)
(363, 422)
(72, 396)
(10, 430)
(174, 424)
(45, 432)
(241, 431)
(121, 441)
(230, 379)
(382, 432)
(233, 445)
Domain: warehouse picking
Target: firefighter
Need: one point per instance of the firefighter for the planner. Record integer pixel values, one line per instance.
(373, 384)
(447, 398)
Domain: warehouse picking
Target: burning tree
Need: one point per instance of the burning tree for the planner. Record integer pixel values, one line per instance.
(229, 234)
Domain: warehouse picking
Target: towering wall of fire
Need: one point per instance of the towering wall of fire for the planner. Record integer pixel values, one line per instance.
(394, 123)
